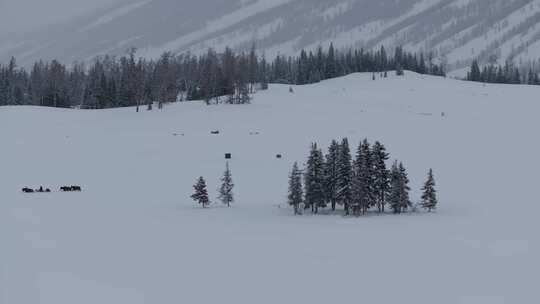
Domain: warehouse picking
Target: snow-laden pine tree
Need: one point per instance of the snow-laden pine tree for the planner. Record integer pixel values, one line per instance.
(429, 194)
(362, 180)
(380, 175)
(404, 178)
(331, 64)
(314, 180)
(344, 176)
(252, 68)
(399, 188)
(296, 193)
(474, 74)
(201, 193)
(331, 174)
(394, 198)
(226, 190)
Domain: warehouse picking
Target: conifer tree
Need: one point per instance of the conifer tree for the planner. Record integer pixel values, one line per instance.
(201, 193)
(474, 74)
(331, 174)
(429, 195)
(399, 191)
(394, 197)
(331, 66)
(362, 179)
(344, 177)
(295, 197)
(252, 69)
(380, 175)
(405, 202)
(530, 77)
(226, 190)
(422, 65)
(314, 180)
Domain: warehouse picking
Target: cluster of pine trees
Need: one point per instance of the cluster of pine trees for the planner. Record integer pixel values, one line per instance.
(358, 185)
(508, 74)
(226, 77)
(226, 195)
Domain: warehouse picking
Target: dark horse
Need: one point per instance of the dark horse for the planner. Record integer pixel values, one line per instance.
(71, 189)
(27, 190)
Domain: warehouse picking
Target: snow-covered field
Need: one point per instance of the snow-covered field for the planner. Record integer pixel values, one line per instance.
(134, 236)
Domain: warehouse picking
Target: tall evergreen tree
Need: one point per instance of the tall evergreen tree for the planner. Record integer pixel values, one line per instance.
(314, 180)
(362, 179)
(395, 184)
(380, 175)
(201, 193)
(331, 174)
(399, 191)
(331, 65)
(429, 195)
(253, 67)
(296, 193)
(226, 190)
(405, 201)
(474, 74)
(345, 175)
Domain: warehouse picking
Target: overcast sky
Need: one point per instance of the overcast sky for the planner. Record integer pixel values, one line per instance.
(18, 15)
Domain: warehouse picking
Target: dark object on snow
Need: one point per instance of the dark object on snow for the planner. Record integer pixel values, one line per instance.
(27, 190)
(279, 156)
(228, 155)
(215, 132)
(47, 190)
(40, 189)
(70, 188)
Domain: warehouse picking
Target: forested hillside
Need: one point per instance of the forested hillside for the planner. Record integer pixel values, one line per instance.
(226, 77)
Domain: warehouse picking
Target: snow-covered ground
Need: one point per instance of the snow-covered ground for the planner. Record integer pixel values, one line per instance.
(134, 236)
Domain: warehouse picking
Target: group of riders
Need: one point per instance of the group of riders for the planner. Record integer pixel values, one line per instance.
(47, 190)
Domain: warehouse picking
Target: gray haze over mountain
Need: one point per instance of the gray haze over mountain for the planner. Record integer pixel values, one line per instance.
(17, 15)
(456, 31)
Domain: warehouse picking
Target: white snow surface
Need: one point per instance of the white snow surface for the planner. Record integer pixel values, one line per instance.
(134, 236)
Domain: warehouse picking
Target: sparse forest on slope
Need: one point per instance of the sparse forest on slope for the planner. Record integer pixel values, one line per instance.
(226, 77)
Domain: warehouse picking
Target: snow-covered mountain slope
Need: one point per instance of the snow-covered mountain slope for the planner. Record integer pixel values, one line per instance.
(134, 236)
(456, 30)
